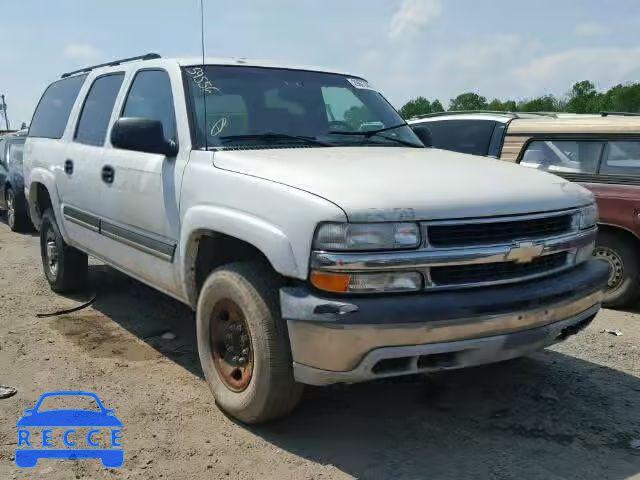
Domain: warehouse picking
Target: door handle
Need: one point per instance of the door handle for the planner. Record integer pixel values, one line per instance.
(108, 174)
(68, 166)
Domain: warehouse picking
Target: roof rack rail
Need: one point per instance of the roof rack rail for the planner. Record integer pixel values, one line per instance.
(489, 112)
(620, 114)
(146, 56)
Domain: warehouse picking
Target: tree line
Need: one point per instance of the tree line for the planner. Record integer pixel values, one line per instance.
(582, 98)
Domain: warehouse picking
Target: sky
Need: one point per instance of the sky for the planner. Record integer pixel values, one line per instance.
(405, 48)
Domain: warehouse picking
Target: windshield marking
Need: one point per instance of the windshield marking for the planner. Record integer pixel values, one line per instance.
(201, 80)
(360, 83)
(219, 126)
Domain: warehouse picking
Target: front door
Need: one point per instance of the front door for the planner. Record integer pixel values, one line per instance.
(139, 193)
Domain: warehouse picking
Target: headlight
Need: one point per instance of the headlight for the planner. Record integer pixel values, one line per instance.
(588, 216)
(367, 236)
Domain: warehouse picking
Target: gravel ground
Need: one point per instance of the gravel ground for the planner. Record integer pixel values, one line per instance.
(572, 411)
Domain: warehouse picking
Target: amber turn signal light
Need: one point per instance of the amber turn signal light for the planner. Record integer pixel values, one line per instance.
(331, 282)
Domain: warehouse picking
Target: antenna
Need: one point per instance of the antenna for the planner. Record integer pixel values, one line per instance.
(204, 92)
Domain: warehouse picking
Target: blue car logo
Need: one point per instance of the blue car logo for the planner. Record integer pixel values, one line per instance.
(100, 423)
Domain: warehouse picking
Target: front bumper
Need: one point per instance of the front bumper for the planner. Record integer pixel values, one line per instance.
(357, 339)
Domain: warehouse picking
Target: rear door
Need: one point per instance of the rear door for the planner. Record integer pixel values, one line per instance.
(617, 186)
(79, 178)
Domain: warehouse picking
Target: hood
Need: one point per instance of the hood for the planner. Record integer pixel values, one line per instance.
(399, 183)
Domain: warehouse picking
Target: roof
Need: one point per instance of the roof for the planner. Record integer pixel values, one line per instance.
(576, 124)
(155, 60)
(461, 116)
(247, 62)
(502, 117)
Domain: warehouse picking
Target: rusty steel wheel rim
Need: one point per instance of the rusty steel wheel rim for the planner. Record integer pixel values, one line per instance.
(616, 266)
(231, 345)
(11, 209)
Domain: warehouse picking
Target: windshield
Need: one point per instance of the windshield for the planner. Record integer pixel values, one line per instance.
(270, 107)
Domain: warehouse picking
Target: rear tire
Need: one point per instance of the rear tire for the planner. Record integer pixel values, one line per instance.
(65, 267)
(623, 285)
(17, 218)
(243, 343)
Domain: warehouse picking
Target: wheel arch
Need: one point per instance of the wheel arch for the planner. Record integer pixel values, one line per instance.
(42, 194)
(214, 236)
(623, 232)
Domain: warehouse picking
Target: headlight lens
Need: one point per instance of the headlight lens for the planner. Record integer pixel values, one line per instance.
(367, 236)
(588, 216)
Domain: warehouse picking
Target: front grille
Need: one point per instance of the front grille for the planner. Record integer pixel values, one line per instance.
(495, 272)
(487, 233)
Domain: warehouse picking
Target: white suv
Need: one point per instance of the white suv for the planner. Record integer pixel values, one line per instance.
(316, 237)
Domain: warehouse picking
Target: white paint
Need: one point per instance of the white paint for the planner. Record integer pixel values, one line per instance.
(273, 199)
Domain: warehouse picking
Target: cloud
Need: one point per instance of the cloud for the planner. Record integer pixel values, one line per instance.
(486, 53)
(591, 29)
(605, 66)
(81, 51)
(448, 69)
(412, 17)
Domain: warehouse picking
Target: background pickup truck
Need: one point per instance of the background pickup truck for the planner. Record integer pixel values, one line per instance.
(304, 221)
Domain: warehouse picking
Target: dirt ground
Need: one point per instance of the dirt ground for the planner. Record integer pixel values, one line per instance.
(572, 411)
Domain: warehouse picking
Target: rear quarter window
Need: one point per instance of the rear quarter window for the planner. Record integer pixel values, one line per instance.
(464, 136)
(622, 158)
(54, 108)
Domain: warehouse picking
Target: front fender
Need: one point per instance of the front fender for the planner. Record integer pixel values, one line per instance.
(266, 237)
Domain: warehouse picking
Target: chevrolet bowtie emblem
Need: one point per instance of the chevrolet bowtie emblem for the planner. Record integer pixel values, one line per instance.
(524, 252)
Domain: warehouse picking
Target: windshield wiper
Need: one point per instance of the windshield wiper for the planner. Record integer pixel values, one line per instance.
(371, 133)
(273, 136)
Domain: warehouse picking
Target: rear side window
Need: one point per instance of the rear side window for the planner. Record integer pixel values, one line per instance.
(52, 113)
(150, 97)
(97, 109)
(465, 136)
(563, 156)
(622, 158)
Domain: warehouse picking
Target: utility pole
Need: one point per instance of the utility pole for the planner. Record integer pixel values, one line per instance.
(3, 107)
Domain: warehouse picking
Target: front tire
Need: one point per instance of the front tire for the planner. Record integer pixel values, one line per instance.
(243, 343)
(65, 267)
(623, 285)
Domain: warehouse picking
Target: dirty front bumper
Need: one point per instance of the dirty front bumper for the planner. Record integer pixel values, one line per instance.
(354, 339)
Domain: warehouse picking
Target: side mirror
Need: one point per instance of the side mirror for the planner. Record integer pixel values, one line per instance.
(424, 134)
(142, 135)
